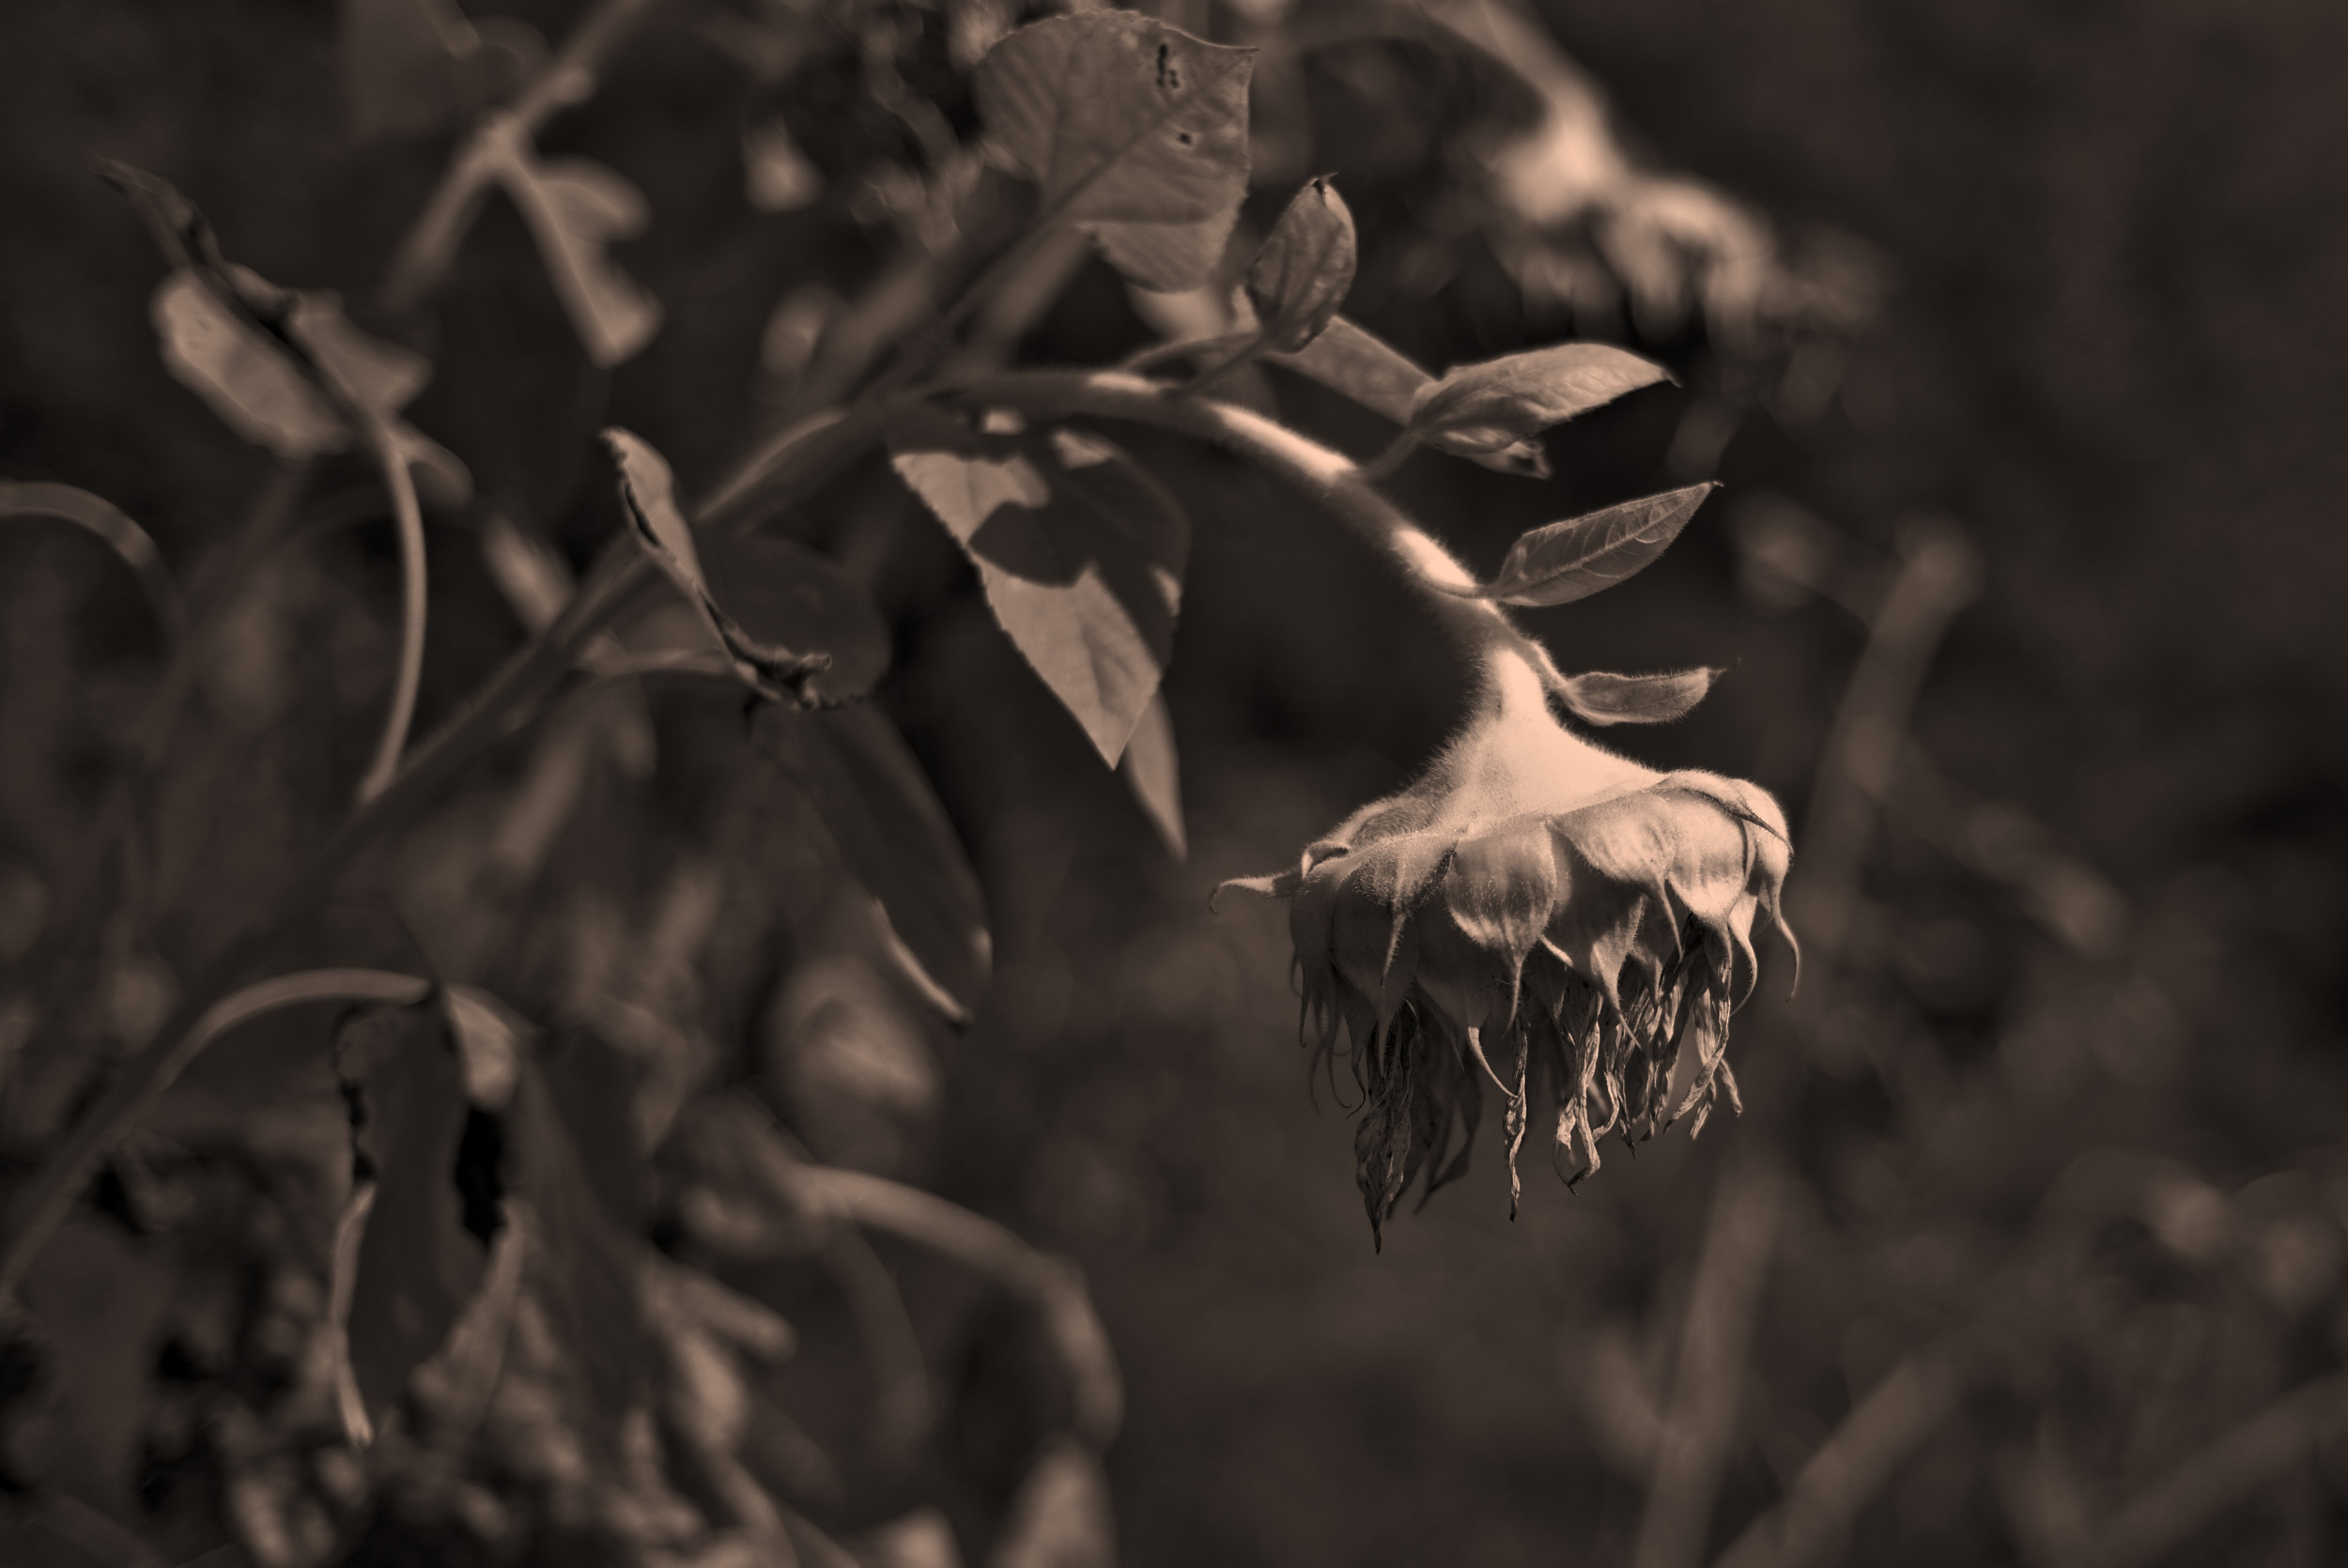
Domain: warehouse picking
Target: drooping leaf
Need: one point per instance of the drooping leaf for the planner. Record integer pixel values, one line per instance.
(786, 595)
(586, 1266)
(895, 837)
(1489, 406)
(648, 496)
(576, 207)
(1637, 699)
(1151, 769)
(1060, 1516)
(102, 517)
(1081, 554)
(416, 1264)
(1301, 277)
(1573, 560)
(1348, 358)
(1135, 131)
(412, 66)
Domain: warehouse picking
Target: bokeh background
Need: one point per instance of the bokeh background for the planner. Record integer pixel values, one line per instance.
(2063, 291)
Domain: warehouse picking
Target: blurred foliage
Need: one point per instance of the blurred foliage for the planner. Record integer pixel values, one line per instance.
(2030, 1245)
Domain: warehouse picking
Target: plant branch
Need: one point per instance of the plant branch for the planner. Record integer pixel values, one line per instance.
(409, 676)
(431, 244)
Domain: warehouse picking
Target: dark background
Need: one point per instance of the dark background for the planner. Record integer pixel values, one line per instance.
(2111, 347)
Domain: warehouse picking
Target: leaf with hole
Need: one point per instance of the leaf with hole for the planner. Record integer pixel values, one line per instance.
(1348, 358)
(1135, 131)
(415, 1265)
(1582, 556)
(1081, 554)
(895, 837)
(648, 496)
(1301, 277)
(1603, 699)
(1486, 408)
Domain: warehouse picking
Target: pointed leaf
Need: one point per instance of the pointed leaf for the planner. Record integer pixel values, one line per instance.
(1151, 769)
(1489, 406)
(648, 496)
(1348, 358)
(416, 1266)
(1302, 275)
(1637, 699)
(1137, 133)
(894, 835)
(1081, 554)
(1579, 557)
(574, 207)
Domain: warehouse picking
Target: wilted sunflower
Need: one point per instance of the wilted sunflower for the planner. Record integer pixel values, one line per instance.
(1540, 912)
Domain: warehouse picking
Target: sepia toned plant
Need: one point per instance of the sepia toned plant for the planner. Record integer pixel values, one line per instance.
(1541, 913)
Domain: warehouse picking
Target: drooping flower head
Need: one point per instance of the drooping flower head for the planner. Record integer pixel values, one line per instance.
(1540, 913)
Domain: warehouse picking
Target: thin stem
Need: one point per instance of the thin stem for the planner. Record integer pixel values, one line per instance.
(409, 677)
(915, 356)
(431, 244)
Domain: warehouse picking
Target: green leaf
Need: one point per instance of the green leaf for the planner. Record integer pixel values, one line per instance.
(895, 837)
(1151, 768)
(648, 496)
(416, 1264)
(1637, 699)
(1577, 558)
(1487, 407)
(1305, 271)
(1136, 131)
(1348, 358)
(412, 66)
(102, 517)
(1081, 554)
(575, 207)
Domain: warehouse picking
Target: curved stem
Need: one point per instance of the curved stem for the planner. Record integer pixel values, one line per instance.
(409, 517)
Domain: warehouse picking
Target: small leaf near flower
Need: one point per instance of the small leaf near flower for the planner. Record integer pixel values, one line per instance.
(1560, 563)
(1485, 408)
(1136, 131)
(1637, 699)
(1305, 271)
(648, 496)
(1348, 358)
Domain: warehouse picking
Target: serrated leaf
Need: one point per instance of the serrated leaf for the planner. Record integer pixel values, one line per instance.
(1637, 699)
(1151, 768)
(410, 67)
(1081, 554)
(1486, 408)
(1580, 556)
(1301, 277)
(894, 835)
(1348, 358)
(575, 207)
(648, 496)
(1135, 131)
(416, 1264)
